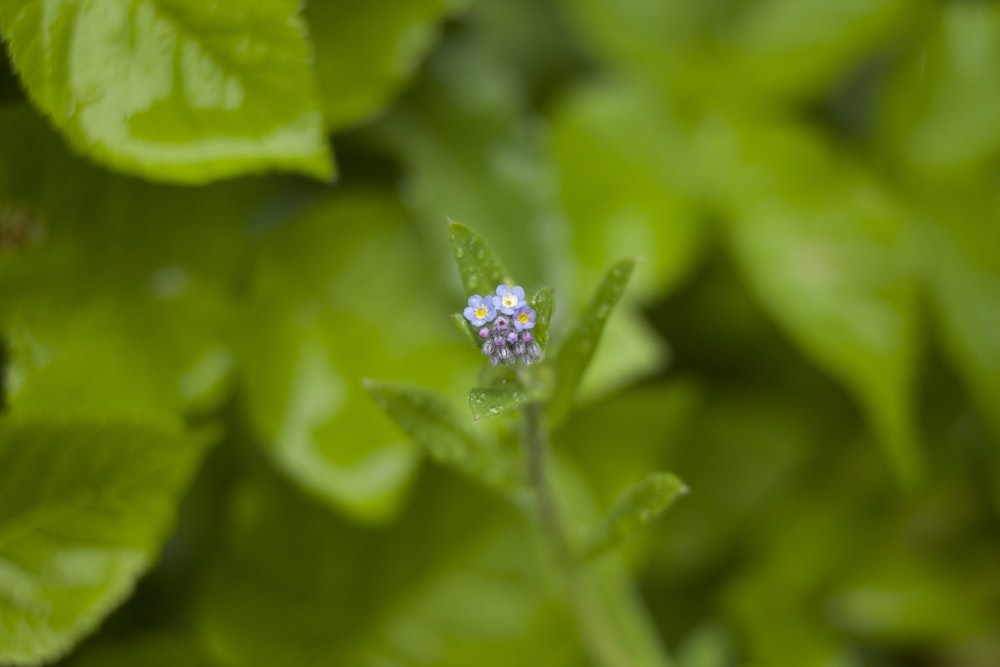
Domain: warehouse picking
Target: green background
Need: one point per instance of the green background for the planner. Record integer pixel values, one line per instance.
(193, 290)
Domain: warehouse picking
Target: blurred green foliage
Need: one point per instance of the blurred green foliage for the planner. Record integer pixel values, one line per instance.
(811, 340)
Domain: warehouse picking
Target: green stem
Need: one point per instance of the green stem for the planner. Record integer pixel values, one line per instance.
(602, 647)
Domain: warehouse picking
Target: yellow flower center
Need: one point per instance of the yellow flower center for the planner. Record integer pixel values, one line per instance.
(508, 300)
(481, 312)
(523, 318)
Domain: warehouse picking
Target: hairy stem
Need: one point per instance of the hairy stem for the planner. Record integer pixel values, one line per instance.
(602, 647)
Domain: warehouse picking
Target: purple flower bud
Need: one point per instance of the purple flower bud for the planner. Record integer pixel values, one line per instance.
(501, 324)
(498, 341)
(484, 333)
(504, 355)
(488, 348)
(512, 337)
(527, 337)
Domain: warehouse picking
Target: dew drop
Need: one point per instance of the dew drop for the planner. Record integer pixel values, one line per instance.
(481, 254)
(459, 252)
(602, 310)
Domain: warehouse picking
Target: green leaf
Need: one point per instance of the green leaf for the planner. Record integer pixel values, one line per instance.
(480, 268)
(544, 304)
(146, 332)
(637, 507)
(839, 285)
(84, 508)
(463, 326)
(173, 90)
(428, 419)
(497, 400)
(625, 178)
(777, 47)
(959, 254)
(318, 321)
(366, 52)
(149, 650)
(577, 349)
(297, 586)
(936, 116)
(481, 159)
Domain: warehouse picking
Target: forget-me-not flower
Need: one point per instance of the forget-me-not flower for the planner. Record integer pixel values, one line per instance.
(509, 299)
(524, 318)
(480, 310)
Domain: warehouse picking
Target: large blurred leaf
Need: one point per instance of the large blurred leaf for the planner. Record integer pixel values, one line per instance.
(454, 582)
(152, 650)
(960, 256)
(84, 507)
(338, 295)
(120, 301)
(937, 113)
(623, 168)
(788, 47)
(176, 90)
(366, 51)
(821, 245)
(474, 153)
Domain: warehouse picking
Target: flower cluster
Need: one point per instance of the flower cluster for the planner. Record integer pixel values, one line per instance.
(505, 322)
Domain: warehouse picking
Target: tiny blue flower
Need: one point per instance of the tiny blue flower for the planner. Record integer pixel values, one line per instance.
(524, 319)
(509, 299)
(480, 310)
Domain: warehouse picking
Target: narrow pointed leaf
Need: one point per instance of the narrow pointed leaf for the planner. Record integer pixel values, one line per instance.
(498, 400)
(577, 350)
(84, 508)
(640, 505)
(427, 418)
(479, 266)
(463, 326)
(544, 304)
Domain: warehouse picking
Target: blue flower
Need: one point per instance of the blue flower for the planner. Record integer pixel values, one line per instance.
(509, 299)
(524, 319)
(480, 310)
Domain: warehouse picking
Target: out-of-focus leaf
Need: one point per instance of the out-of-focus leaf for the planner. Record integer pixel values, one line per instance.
(638, 506)
(428, 419)
(84, 507)
(119, 301)
(960, 256)
(785, 47)
(936, 115)
(463, 326)
(663, 409)
(624, 167)
(611, 613)
(578, 347)
(177, 90)
(898, 597)
(746, 447)
(154, 650)
(821, 245)
(337, 295)
(455, 581)
(473, 152)
(479, 266)
(366, 52)
(544, 303)
(497, 400)
(707, 646)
